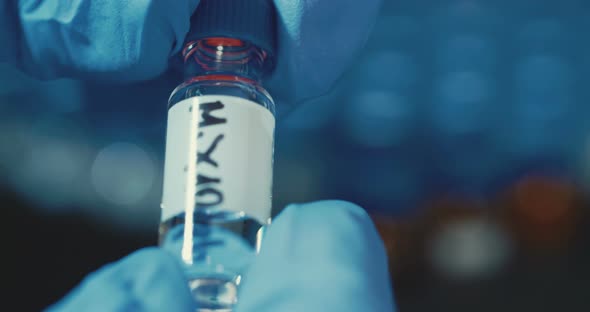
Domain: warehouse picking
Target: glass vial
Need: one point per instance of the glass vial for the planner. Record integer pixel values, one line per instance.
(219, 154)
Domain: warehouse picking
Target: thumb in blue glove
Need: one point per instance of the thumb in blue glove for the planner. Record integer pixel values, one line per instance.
(325, 256)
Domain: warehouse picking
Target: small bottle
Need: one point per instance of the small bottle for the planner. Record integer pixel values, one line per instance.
(219, 148)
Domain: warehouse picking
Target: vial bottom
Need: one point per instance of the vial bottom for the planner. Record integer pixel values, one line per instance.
(215, 251)
(214, 294)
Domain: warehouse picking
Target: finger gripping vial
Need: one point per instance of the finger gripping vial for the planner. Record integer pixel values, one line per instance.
(219, 148)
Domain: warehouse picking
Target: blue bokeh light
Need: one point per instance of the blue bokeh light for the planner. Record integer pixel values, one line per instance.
(123, 173)
(378, 119)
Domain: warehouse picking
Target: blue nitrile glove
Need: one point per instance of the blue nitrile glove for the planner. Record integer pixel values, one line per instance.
(100, 39)
(147, 280)
(117, 40)
(325, 256)
(318, 40)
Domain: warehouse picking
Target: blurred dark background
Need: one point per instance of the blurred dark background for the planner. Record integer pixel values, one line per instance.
(462, 129)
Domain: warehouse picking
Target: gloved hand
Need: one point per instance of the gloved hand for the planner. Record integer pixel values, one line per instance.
(147, 280)
(133, 40)
(325, 256)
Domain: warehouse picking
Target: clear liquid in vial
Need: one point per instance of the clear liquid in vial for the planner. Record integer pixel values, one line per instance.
(216, 251)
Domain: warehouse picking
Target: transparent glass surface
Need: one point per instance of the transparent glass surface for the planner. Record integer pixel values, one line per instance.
(223, 242)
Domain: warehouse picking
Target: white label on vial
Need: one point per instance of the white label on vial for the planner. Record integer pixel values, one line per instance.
(218, 157)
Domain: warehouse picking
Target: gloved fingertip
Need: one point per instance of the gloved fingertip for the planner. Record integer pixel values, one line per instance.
(321, 256)
(335, 209)
(324, 232)
(328, 208)
(328, 219)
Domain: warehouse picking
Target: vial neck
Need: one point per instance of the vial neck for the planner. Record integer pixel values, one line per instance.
(220, 77)
(224, 59)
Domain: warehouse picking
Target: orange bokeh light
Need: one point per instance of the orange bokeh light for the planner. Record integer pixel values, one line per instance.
(544, 211)
(543, 200)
